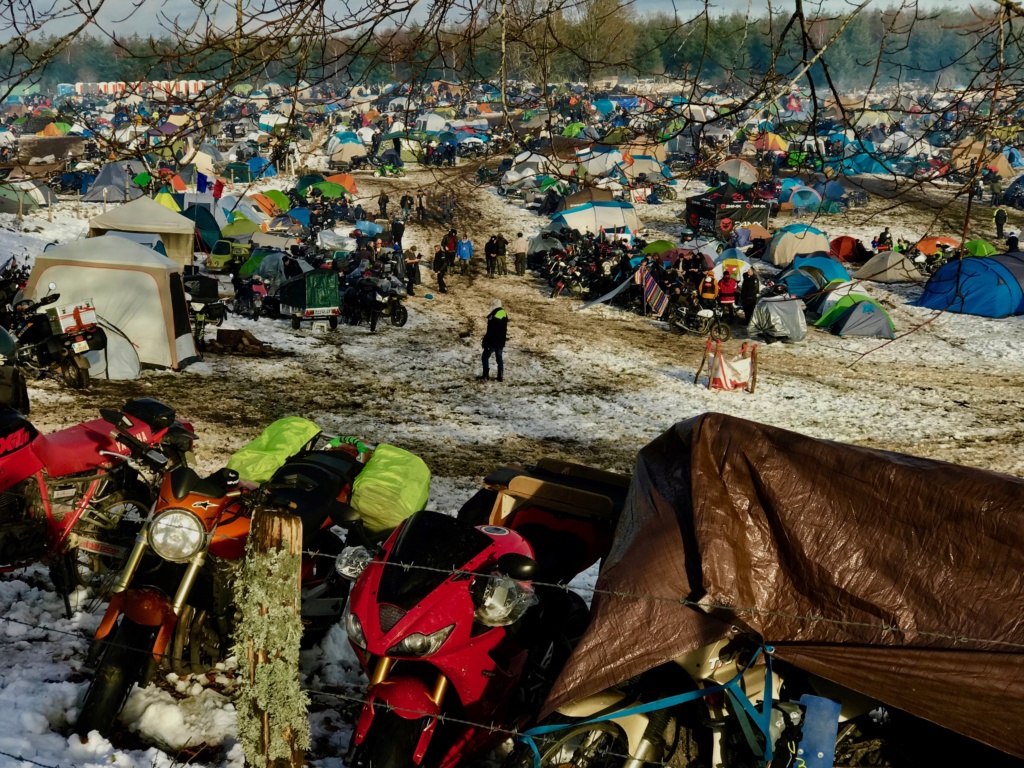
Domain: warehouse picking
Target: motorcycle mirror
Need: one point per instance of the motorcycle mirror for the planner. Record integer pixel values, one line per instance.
(157, 460)
(518, 567)
(52, 286)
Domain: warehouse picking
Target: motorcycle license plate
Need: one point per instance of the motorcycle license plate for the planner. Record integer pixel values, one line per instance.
(80, 346)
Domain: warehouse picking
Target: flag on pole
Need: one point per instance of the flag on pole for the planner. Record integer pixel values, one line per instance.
(201, 181)
(656, 298)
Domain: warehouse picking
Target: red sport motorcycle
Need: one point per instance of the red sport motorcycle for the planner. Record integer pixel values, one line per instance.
(448, 626)
(75, 498)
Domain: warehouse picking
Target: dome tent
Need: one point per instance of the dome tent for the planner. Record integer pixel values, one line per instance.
(988, 286)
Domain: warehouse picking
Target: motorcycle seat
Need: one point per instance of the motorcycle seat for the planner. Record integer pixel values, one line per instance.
(311, 484)
(186, 481)
(77, 449)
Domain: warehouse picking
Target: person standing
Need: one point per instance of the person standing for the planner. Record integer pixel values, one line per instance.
(501, 253)
(405, 203)
(494, 340)
(464, 250)
(412, 270)
(519, 248)
(382, 203)
(490, 255)
(440, 268)
(749, 291)
(727, 288)
(421, 206)
(448, 244)
(397, 231)
(999, 217)
(708, 290)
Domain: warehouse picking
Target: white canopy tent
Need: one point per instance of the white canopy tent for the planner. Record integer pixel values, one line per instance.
(138, 295)
(146, 215)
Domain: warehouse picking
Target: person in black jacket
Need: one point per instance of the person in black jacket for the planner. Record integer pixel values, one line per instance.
(494, 339)
(749, 291)
(397, 230)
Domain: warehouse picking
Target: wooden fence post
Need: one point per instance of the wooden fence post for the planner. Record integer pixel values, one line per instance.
(272, 722)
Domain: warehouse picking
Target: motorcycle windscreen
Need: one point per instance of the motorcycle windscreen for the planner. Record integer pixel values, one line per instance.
(433, 546)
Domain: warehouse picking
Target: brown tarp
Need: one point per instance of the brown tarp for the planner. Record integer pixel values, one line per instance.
(818, 546)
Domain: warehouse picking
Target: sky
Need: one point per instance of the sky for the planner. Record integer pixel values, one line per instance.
(121, 16)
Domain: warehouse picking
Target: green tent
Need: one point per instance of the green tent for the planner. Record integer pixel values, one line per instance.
(248, 269)
(330, 189)
(257, 461)
(573, 129)
(839, 308)
(547, 182)
(239, 226)
(206, 224)
(981, 248)
(10, 197)
(238, 172)
(659, 246)
(304, 183)
(242, 88)
(62, 127)
(280, 199)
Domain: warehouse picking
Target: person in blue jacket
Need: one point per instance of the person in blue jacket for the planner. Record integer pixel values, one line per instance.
(464, 251)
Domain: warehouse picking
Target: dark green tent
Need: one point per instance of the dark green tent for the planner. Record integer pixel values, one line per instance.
(206, 225)
(305, 182)
(238, 172)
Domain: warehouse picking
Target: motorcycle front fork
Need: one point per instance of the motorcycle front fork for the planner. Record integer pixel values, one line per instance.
(383, 668)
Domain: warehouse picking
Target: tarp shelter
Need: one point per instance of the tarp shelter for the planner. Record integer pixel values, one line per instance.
(788, 244)
(594, 217)
(586, 195)
(808, 539)
(720, 210)
(136, 291)
(991, 286)
(114, 183)
(778, 318)
(889, 267)
(146, 215)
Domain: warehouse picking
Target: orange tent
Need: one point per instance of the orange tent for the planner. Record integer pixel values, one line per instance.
(848, 248)
(768, 142)
(50, 130)
(267, 205)
(178, 184)
(346, 180)
(929, 245)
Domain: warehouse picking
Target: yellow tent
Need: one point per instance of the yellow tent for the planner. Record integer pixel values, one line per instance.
(167, 202)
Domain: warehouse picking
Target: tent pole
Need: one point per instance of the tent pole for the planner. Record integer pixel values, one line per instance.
(104, 199)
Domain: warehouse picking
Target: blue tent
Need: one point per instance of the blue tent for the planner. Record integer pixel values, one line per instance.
(989, 287)
(791, 183)
(260, 166)
(1014, 157)
(798, 228)
(348, 137)
(300, 215)
(811, 273)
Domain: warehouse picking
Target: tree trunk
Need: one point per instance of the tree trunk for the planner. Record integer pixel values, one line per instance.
(272, 722)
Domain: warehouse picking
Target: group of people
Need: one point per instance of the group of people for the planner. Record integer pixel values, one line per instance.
(691, 279)
(454, 251)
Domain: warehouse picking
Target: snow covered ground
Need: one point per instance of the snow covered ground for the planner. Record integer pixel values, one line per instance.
(591, 387)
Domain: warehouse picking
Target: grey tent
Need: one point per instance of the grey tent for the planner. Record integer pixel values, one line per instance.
(148, 239)
(865, 318)
(271, 269)
(778, 318)
(113, 184)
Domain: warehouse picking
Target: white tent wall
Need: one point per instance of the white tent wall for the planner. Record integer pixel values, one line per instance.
(146, 215)
(136, 291)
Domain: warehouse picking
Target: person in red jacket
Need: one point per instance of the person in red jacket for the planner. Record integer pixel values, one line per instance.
(727, 288)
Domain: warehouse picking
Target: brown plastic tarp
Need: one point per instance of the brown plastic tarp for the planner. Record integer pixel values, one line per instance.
(819, 547)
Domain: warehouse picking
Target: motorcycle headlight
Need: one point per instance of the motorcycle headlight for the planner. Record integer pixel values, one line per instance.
(177, 535)
(418, 644)
(352, 562)
(355, 631)
(502, 601)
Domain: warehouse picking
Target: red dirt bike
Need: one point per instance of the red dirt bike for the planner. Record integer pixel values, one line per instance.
(75, 498)
(448, 626)
(174, 603)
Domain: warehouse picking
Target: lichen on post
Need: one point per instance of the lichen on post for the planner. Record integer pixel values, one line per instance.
(273, 726)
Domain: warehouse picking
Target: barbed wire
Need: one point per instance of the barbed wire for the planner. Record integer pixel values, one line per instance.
(28, 760)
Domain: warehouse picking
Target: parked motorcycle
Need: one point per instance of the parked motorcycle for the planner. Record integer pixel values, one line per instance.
(391, 298)
(76, 498)
(54, 342)
(448, 626)
(705, 708)
(173, 603)
(687, 315)
(359, 302)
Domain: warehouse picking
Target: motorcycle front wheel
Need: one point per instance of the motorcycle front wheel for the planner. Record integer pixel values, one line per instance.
(720, 331)
(390, 742)
(73, 375)
(125, 657)
(598, 745)
(399, 316)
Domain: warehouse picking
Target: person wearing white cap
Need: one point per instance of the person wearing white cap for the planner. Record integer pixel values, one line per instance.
(494, 339)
